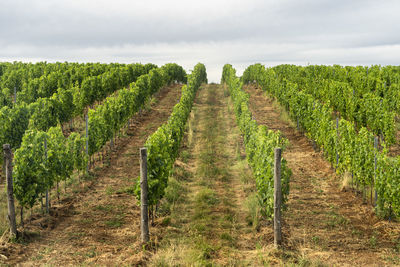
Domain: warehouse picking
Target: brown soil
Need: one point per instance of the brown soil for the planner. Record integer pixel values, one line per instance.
(324, 222)
(98, 224)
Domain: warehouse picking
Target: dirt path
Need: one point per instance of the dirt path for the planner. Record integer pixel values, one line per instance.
(323, 223)
(210, 222)
(100, 225)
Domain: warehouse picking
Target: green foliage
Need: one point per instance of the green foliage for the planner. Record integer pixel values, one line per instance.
(30, 168)
(355, 148)
(259, 142)
(13, 123)
(164, 143)
(356, 93)
(77, 86)
(113, 114)
(38, 168)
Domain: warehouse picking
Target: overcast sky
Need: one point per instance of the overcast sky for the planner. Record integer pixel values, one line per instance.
(212, 32)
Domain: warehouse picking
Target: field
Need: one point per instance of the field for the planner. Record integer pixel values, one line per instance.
(210, 168)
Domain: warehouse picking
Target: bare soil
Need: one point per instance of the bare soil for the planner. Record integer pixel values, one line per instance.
(325, 222)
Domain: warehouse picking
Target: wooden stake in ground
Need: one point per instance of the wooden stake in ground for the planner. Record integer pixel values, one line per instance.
(337, 142)
(87, 141)
(10, 192)
(277, 198)
(144, 224)
(47, 190)
(375, 162)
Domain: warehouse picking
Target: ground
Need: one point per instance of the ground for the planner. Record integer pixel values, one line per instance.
(210, 214)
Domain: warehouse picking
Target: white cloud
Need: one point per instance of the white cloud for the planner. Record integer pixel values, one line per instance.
(213, 32)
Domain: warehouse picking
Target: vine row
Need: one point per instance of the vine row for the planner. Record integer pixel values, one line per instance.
(259, 143)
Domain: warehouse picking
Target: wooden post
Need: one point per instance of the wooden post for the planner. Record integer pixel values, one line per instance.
(337, 142)
(87, 141)
(277, 198)
(4, 168)
(10, 192)
(375, 163)
(144, 225)
(47, 190)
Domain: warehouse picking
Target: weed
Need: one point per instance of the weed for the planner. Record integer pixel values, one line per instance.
(78, 235)
(86, 221)
(181, 174)
(230, 217)
(397, 246)
(185, 156)
(109, 190)
(206, 250)
(199, 228)
(37, 257)
(115, 222)
(88, 177)
(227, 237)
(130, 190)
(316, 240)
(166, 221)
(373, 241)
(206, 196)
(394, 259)
(356, 232)
(174, 191)
(253, 209)
(91, 253)
(106, 208)
(335, 220)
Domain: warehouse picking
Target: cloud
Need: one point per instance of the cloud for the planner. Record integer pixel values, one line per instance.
(213, 32)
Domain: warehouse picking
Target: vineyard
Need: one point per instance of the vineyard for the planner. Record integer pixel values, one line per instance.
(211, 187)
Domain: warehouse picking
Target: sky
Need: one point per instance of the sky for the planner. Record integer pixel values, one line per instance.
(214, 32)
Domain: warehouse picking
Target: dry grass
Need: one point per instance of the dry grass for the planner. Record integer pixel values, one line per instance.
(211, 227)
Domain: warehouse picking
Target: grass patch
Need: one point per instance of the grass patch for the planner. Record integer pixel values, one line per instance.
(316, 240)
(335, 220)
(86, 221)
(205, 250)
(206, 196)
(227, 237)
(373, 241)
(76, 236)
(106, 208)
(130, 190)
(88, 177)
(181, 174)
(185, 156)
(91, 252)
(110, 190)
(115, 222)
(252, 205)
(174, 191)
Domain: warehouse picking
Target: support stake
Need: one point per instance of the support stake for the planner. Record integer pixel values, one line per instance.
(144, 225)
(277, 198)
(10, 193)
